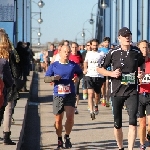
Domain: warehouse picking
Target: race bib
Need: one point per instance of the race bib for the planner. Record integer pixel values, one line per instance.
(128, 79)
(146, 79)
(92, 68)
(64, 89)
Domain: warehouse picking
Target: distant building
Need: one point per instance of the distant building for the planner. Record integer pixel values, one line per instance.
(133, 14)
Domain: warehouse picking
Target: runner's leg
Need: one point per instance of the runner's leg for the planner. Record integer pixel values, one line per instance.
(117, 103)
(142, 119)
(132, 108)
(70, 119)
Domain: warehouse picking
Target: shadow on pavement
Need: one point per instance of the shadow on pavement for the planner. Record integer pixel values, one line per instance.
(31, 138)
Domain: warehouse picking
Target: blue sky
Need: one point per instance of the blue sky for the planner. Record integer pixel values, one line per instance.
(63, 19)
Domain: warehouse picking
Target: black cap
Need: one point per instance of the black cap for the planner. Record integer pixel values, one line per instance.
(124, 31)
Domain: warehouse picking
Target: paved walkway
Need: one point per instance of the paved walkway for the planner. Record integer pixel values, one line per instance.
(86, 134)
(39, 132)
(17, 128)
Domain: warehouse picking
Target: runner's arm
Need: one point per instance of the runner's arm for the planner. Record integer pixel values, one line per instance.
(49, 75)
(78, 71)
(105, 64)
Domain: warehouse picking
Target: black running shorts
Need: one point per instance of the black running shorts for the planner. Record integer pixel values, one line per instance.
(59, 102)
(94, 83)
(144, 104)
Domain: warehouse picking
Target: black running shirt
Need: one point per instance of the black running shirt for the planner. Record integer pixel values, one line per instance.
(128, 62)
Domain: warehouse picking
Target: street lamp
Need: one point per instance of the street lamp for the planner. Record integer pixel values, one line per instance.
(103, 5)
(38, 41)
(41, 3)
(38, 32)
(40, 20)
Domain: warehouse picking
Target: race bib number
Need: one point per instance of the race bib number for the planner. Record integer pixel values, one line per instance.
(128, 79)
(92, 68)
(146, 79)
(64, 89)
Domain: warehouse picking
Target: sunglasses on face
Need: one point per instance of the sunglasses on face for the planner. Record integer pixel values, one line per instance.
(87, 45)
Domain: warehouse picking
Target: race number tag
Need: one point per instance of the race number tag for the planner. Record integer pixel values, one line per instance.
(92, 67)
(146, 79)
(64, 89)
(128, 79)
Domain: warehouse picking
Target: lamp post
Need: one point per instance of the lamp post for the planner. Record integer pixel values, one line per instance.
(38, 41)
(83, 35)
(40, 20)
(38, 32)
(103, 5)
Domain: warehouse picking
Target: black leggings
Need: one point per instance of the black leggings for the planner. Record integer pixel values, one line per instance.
(131, 103)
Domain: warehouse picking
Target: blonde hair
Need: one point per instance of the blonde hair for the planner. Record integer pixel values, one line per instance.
(5, 45)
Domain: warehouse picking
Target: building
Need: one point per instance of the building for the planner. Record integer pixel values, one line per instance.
(133, 14)
(15, 19)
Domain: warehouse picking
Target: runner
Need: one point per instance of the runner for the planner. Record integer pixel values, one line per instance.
(62, 73)
(144, 97)
(125, 61)
(84, 84)
(94, 80)
(77, 58)
(104, 89)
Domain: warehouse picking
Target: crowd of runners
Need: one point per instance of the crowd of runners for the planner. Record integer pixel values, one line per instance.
(118, 75)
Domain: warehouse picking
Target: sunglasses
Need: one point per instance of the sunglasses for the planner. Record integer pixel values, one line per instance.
(87, 45)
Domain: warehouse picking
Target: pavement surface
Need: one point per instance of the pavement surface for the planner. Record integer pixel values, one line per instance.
(17, 129)
(86, 134)
(34, 123)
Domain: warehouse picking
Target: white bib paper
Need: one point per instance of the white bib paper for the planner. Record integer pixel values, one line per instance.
(64, 89)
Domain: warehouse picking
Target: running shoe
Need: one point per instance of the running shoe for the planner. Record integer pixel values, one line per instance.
(92, 116)
(67, 142)
(96, 111)
(103, 102)
(142, 147)
(85, 96)
(107, 104)
(76, 111)
(60, 144)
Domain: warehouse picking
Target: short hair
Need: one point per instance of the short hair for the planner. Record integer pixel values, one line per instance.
(88, 42)
(28, 43)
(106, 39)
(52, 44)
(145, 41)
(66, 41)
(75, 43)
(94, 40)
(60, 44)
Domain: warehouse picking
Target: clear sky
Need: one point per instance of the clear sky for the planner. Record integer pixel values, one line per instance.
(63, 19)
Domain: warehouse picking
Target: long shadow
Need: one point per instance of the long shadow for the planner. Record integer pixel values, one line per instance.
(31, 138)
(97, 145)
